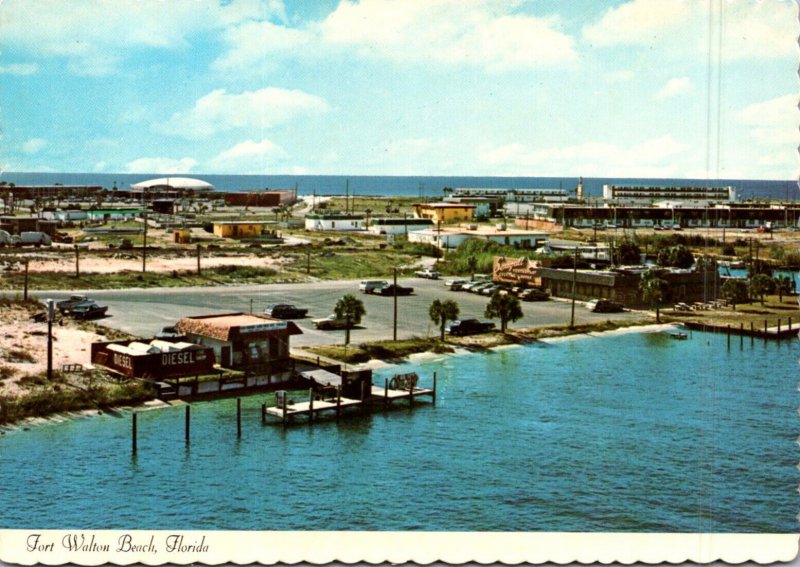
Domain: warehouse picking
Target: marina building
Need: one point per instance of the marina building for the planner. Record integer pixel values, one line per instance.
(644, 194)
(242, 341)
(155, 360)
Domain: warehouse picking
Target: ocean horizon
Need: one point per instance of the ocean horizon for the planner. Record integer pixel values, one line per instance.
(395, 185)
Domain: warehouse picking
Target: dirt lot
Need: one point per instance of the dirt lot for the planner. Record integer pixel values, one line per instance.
(131, 262)
(23, 346)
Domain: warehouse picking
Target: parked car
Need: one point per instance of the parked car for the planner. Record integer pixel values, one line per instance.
(5, 238)
(369, 286)
(285, 311)
(480, 287)
(469, 327)
(533, 294)
(330, 323)
(168, 333)
(455, 284)
(67, 304)
(604, 306)
(489, 290)
(428, 273)
(88, 310)
(391, 289)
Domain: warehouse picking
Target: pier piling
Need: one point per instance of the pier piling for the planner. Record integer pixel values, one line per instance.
(386, 394)
(188, 421)
(790, 323)
(263, 413)
(765, 331)
(338, 402)
(728, 332)
(741, 336)
(238, 417)
(752, 334)
(133, 433)
(410, 394)
(284, 409)
(433, 395)
(779, 326)
(310, 405)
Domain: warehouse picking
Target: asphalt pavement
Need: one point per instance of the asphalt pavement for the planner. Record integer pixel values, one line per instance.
(143, 312)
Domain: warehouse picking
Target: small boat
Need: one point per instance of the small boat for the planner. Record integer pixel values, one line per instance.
(680, 336)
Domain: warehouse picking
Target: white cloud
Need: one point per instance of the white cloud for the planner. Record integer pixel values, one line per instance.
(100, 166)
(94, 35)
(249, 157)
(749, 29)
(675, 87)
(651, 158)
(19, 69)
(220, 111)
(160, 165)
(773, 122)
(479, 33)
(34, 145)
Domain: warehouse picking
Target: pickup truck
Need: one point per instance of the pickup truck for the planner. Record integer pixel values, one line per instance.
(330, 323)
(428, 273)
(87, 310)
(285, 311)
(469, 327)
(390, 290)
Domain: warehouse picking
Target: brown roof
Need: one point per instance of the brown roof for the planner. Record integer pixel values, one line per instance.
(229, 326)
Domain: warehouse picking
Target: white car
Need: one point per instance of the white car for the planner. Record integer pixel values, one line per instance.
(428, 273)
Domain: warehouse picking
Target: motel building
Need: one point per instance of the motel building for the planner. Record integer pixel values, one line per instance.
(241, 341)
(243, 229)
(393, 226)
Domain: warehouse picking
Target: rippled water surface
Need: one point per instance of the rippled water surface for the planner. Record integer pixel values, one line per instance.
(633, 432)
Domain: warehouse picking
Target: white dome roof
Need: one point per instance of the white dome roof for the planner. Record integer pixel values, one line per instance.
(175, 183)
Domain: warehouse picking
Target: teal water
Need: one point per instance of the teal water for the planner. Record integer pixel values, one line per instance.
(631, 432)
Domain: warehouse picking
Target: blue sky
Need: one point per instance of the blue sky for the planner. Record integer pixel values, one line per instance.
(638, 88)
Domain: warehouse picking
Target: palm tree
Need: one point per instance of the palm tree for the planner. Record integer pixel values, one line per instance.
(441, 312)
(654, 289)
(505, 307)
(351, 309)
(735, 290)
(762, 284)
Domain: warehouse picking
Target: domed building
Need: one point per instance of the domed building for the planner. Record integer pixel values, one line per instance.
(166, 187)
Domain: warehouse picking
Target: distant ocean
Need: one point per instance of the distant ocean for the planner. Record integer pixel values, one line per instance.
(401, 185)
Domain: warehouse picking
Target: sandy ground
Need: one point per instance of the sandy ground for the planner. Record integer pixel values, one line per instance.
(155, 264)
(20, 334)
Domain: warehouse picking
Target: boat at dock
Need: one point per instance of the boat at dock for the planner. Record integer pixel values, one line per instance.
(680, 336)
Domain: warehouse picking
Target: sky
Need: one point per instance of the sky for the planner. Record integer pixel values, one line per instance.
(699, 89)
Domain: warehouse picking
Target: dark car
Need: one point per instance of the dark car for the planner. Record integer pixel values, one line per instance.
(285, 311)
(604, 306)
(469, 327)
(390, 290)
(73, 301)
(533, 294)
(88, 310)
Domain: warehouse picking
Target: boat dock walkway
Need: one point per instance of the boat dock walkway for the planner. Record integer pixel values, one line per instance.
(312, 407)
(777, 332)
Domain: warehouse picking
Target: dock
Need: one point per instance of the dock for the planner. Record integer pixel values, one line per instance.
(766, 332)
(312, 407)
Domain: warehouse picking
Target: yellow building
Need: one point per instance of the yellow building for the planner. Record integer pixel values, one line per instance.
(444, 213)
(239, 229)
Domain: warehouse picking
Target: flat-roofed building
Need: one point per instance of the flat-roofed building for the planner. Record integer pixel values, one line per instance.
(451, 237)
(444, 213)
(514, 195)
(242, 229)
(398, 225)
(334, 221)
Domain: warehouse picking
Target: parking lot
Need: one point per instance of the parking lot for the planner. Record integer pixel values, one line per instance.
(144, 312)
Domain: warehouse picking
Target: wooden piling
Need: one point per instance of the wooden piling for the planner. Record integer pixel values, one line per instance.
(765, 331)
(238, 417)
(752, 334)
(338, 402)
(410, 394)
(188, 421)
(779, 326)
(433, 396)
(133, 433)
(284, 409)
(386, 394)
(310, 404)
(263, 413)
(729, 337)
(741, 336)
(790, 323)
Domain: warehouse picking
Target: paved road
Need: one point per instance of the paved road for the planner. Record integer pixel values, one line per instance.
(144, 312)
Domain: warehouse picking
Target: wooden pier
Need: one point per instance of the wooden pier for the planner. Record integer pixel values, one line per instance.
(782, 330)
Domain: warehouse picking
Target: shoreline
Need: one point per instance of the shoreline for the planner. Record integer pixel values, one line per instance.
(27, 423)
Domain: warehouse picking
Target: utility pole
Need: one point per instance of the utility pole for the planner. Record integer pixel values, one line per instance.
(574, 279)
(394, 319)
(77, 262)
(25, 289)
(50, 317)
(144, 245)
(308, 262)
(198, 259)
(346, 196)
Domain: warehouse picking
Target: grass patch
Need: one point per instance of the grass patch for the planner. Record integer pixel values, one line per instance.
(49, 399)
(382, 350)
(130, 279)
(19, 355)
